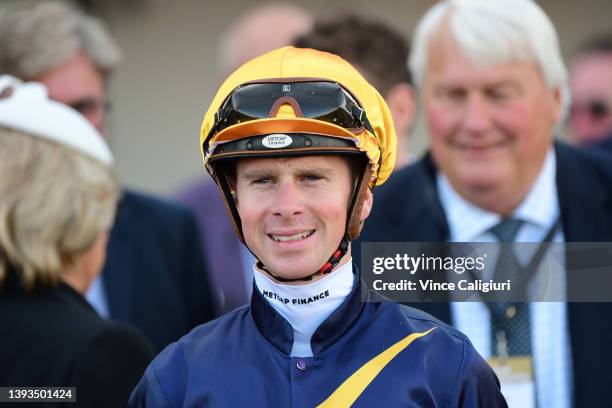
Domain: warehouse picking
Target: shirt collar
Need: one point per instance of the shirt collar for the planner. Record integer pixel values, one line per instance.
(468, 223)
(279, 332)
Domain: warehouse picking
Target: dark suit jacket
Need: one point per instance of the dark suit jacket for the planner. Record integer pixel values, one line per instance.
(407, 209)
(155, 276)
(219, 244)
(53, 337)
(605, 144)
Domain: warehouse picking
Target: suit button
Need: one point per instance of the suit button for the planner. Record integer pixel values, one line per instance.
(301, 365)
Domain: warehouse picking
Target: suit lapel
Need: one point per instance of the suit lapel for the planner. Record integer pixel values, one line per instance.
(583, 198)
(420, 218)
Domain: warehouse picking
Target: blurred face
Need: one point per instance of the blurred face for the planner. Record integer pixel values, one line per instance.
(294, 210)
(400, 100)
(591, 86)
(490, 127)
(79, 84)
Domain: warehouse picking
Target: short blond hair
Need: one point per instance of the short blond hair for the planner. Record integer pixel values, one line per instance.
(54, 203)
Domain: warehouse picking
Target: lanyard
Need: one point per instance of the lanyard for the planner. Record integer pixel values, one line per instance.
(527, 273)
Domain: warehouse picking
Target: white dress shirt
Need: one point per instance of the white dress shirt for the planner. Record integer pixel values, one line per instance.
(549, 328)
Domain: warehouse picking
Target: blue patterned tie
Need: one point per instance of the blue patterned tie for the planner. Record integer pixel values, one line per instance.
(510, 322)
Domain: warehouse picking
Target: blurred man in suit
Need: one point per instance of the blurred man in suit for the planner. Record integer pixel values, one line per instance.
(591, 84)
(380, 53)
(257, 31)
(494, 89)
(154, 277)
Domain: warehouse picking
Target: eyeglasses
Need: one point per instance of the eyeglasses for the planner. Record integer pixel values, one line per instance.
(596, 109)
(87, 106)
(322, 100)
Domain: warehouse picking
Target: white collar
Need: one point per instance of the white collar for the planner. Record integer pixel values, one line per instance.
(468, 223)
(305, 307)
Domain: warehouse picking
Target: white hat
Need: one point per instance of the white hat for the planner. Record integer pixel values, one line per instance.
(26, 107)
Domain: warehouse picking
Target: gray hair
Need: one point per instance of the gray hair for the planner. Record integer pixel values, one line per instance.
(492, 32)
(35, 40)
(54, 203)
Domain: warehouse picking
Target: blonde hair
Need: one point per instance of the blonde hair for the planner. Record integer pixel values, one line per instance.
(54, 203)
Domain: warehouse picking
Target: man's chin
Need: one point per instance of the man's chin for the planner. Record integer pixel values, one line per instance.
(481, 176)
(291, 270)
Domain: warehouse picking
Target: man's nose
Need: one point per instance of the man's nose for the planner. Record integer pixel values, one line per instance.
(288, 200)
(477, 117)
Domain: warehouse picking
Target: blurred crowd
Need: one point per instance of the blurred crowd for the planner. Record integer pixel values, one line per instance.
(103, 278)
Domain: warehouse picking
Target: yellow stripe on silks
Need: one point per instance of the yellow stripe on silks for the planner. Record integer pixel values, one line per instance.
(346, 394)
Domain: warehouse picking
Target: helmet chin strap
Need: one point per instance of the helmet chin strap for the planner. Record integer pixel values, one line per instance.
(325, 269)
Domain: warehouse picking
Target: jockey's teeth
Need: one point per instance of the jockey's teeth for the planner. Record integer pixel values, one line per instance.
(283, 238)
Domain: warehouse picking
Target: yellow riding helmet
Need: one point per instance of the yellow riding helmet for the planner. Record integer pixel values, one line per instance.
(302, 64)
(283, 129)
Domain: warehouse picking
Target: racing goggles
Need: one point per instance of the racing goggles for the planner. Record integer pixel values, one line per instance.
(318, 99)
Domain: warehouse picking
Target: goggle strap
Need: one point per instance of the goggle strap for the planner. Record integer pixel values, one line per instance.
(209, 136)
(366, 123)
(360, 114)
(368, 126)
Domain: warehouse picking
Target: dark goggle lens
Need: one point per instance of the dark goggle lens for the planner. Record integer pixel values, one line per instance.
(254, 100)
(325, 101)
(330, 103)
